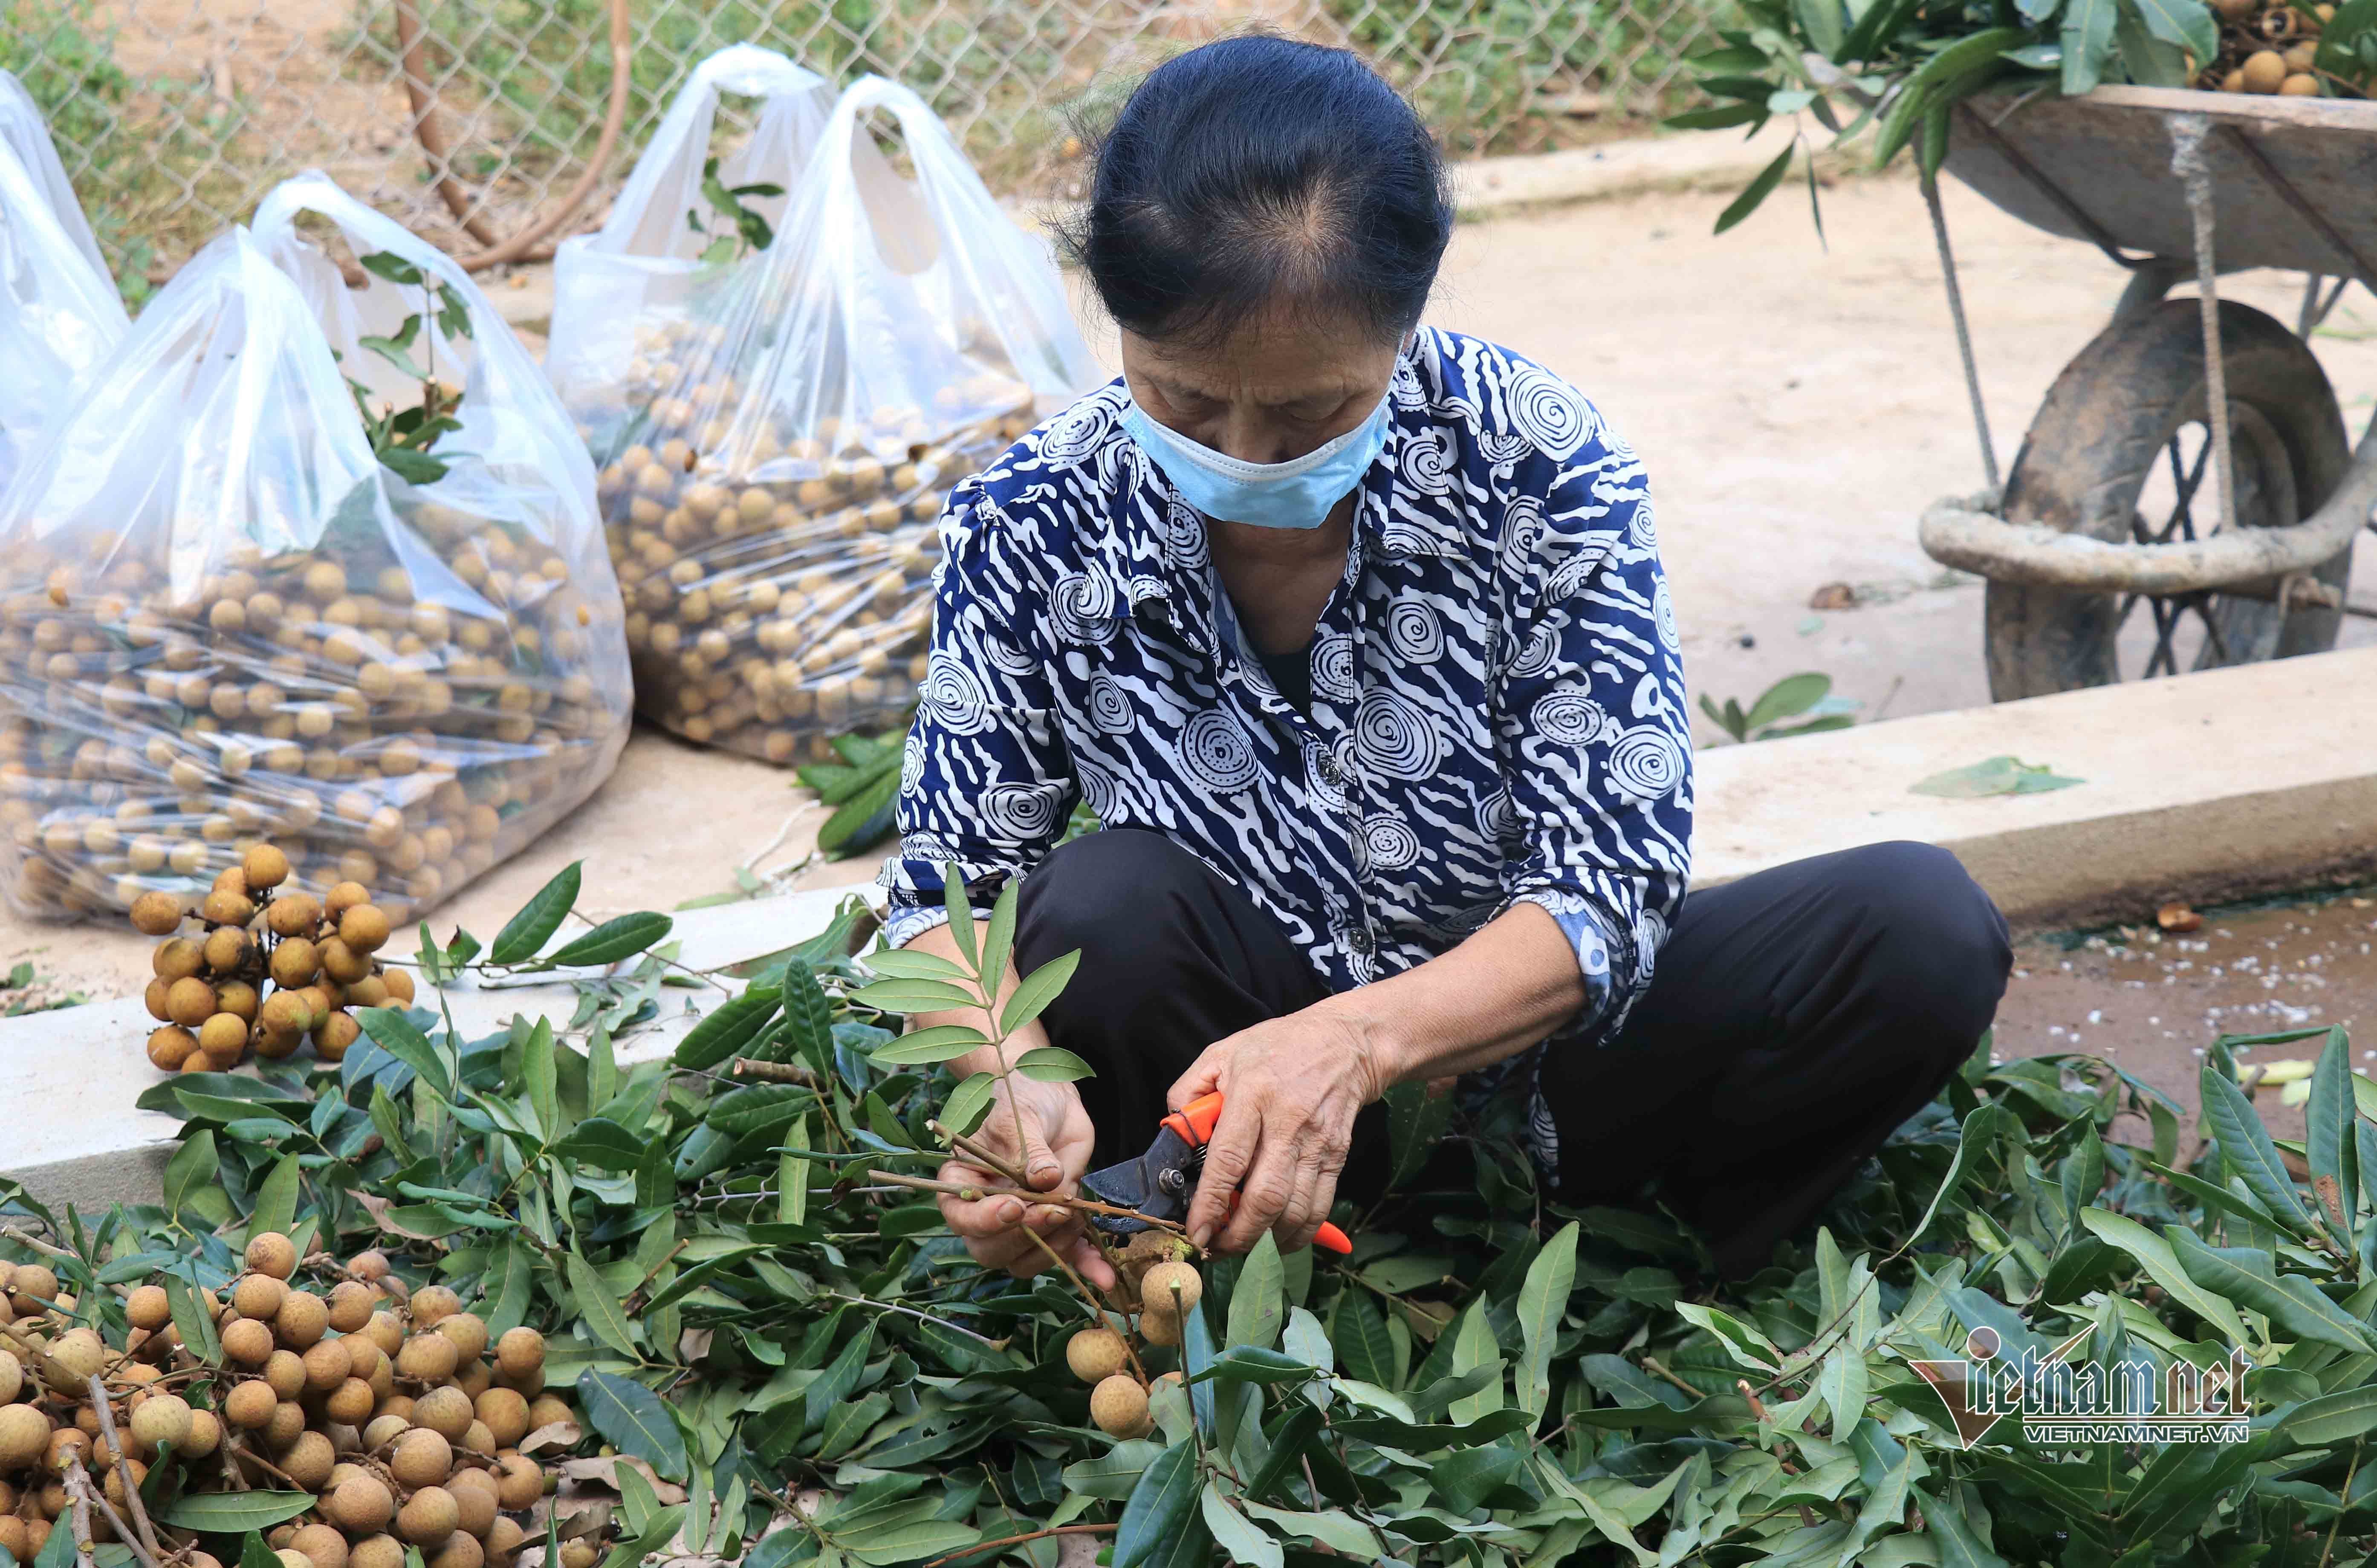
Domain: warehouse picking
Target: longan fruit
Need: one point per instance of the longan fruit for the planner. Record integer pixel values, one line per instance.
(264, 866)
(190, 1002)
(24, 1436)
(319, 1544)
(363, 927)
(290, 1557)
(468, 1331)
(162, 1419)
(377, 1551)
(345, 896)
(284, 1374)
(422, 1457)
(285, 1015)
(462, 1550)
(342, 963)
(205, 1435)
(327, 1364)
(287, 1423)
(177, 958)
(271, 1252)
(153, 997)
(12, 1382)
(368, 992)
(400, 986)
(1118, 1405)
(519, 1481)
(259, 1296)
(503, 1412)
(546, 1408)
(309, 1459)
(1173, 1288)
(224, 1035)
(361, 1505)
(247, 1341)
(295, 963)
(156, 914)
(33, 1282)
(386, 1331)
(429, 1517)
(579, 1553)
(170, 1047)
(368, 1265)
(427, 1358)
(226, 907)
(14, 1540)
(237, 998)
(148, 1307)
(79, 1355)
(293, 914)
(519, 1352)
(334, 1034)
(132, 1471)
(474, 1494)
(225, 949)
(351, 1304)
(2265, 71)
(433, 1303)
(2300, 84)
(446, 1411)
(504, 1537)
(1159, 1327)
(1096, 1354)
(477, 1439)
(300, 1322)
(350, 1403)
(250, 1405)
(65, 1446)
(383, 1429)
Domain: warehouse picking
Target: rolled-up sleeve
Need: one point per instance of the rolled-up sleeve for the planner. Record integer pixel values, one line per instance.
(986, 784)
(1596, 737)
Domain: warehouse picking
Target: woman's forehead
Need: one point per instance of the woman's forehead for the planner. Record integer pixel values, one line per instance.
(1280, 356)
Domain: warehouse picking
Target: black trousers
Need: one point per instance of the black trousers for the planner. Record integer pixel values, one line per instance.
(1795, 1019)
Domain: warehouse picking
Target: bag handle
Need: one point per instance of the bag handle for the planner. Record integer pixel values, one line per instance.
(985, 256)
(648, 218)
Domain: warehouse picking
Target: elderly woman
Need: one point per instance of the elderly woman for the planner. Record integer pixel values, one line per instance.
(1353, 633)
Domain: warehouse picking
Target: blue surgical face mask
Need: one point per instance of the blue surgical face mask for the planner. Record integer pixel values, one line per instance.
(1294, 495)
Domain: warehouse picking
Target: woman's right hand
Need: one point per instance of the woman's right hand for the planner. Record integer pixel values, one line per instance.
(999, 1228)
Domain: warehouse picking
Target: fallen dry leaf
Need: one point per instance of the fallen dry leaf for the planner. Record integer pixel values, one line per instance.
(2177, 916)
(1834, 596)
(604, 1470)
(559, 1434)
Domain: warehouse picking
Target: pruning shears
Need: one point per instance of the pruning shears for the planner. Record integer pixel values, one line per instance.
(1159, 1183)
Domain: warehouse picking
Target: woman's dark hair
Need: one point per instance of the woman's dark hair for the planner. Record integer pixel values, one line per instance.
(1261, 171)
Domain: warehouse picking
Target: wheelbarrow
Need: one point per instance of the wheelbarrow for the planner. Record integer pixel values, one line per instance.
(2214, 487)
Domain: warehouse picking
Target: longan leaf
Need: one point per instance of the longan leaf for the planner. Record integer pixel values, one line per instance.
(726, 1031)
(599, 1307)
(1163, 1507)
(1040, 988)
(195, 1323)
(393, 1032)
(530, 930)
(194, 1168)
(539, 1078)
(227, 1512)
(616, 939)
(276, 1200)
(969, 1103)
(928, 1048)
(913, 996)
(1053, 1064)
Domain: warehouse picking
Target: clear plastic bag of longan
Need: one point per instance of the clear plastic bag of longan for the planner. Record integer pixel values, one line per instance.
(59, 310)
(239, 607)
(668, 229)
(791, 435)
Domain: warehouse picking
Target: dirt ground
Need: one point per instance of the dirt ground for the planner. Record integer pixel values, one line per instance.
(2152, 1000)
(1798, 405)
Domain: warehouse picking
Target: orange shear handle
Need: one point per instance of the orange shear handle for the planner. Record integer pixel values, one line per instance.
(1194, 1122)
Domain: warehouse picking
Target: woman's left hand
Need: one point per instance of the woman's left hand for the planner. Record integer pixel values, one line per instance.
(1291, 1088)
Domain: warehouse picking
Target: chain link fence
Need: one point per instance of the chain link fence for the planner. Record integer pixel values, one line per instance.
(175, 116)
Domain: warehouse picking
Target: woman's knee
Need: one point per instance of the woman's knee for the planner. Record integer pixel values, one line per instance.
(1936, 937)
(1098, 896)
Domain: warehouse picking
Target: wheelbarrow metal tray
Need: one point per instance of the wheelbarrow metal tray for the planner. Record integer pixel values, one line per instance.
(2108, 153)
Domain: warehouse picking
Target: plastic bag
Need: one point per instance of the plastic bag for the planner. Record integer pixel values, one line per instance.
(771, 505)
(59, 310)
(235, 612)
(612, 286)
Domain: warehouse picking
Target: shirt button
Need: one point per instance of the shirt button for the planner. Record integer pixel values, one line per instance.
(1331, 771)
(1358, 939)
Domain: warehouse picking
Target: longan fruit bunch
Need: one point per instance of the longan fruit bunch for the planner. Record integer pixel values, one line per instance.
(2272, 46)
(396, 1410)
(402, 711)
(1165, 1289)
(269, 968)
(776, 561)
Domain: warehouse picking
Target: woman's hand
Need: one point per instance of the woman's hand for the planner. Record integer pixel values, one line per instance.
(997, 1228)
(1291, 1088)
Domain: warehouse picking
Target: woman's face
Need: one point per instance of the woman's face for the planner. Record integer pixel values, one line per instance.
(1280, 386)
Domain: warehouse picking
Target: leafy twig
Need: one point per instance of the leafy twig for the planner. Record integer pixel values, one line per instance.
(1019, 1540)
(100, 1403)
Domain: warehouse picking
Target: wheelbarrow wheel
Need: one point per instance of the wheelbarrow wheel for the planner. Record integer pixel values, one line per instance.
(2120, 451)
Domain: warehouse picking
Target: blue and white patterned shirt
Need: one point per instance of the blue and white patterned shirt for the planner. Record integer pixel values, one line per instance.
(1498, 708)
